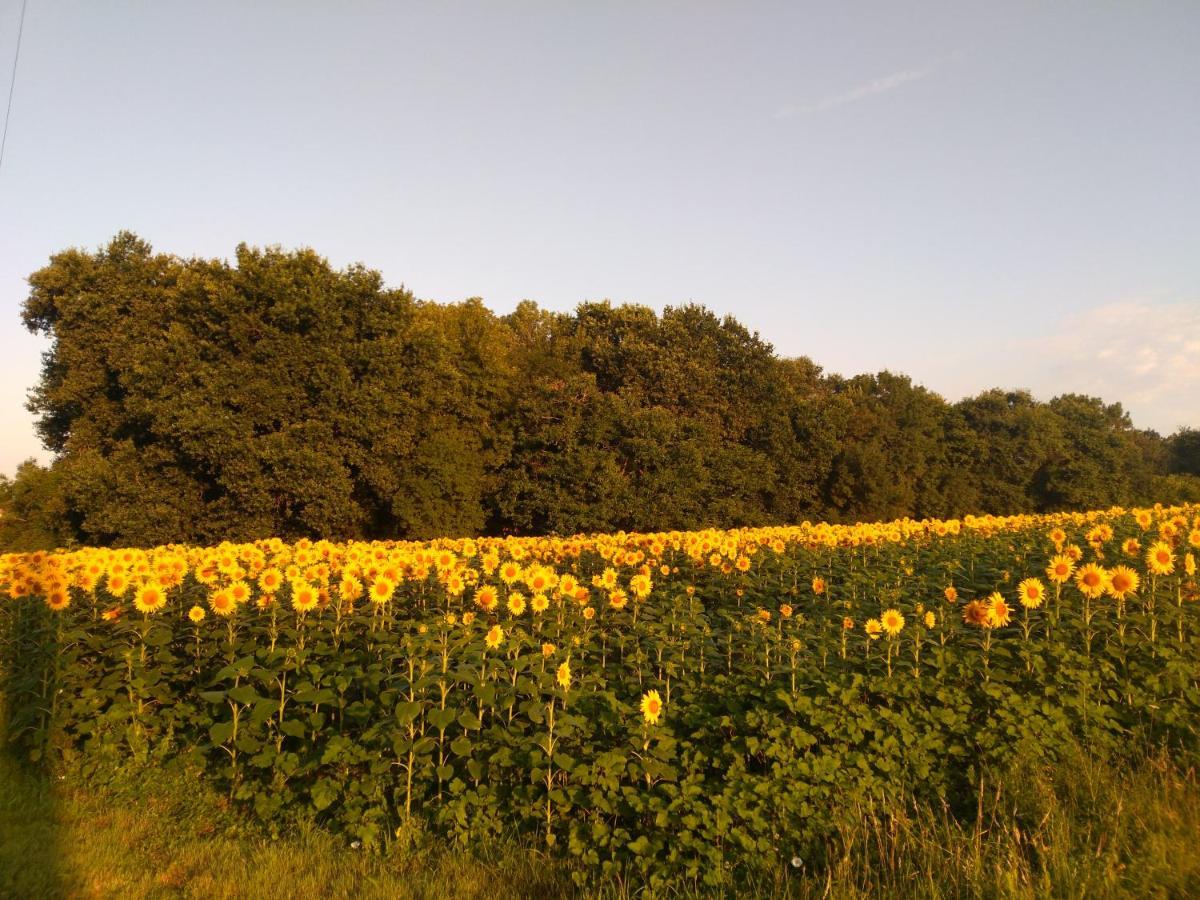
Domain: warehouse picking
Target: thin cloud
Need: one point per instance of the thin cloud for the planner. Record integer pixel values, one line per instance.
(1143, 353)
(878, 86)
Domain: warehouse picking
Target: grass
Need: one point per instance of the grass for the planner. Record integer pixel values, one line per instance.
(1081, 829)
(166, 837)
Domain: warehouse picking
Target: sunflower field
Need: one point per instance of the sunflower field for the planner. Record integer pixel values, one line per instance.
(683, 705)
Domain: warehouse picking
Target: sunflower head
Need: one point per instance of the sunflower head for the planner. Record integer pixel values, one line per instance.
(1031, 593)
(652, 706)
(892, 622)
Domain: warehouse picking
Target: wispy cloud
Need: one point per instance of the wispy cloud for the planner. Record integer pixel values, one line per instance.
(878, 86)
(1143, 353)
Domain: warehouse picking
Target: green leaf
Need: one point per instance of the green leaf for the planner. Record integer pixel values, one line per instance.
(470, 721)
(324, 792)
(407, 711)
(245, 694)
(441, 719)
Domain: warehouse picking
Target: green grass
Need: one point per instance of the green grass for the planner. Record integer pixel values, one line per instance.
(1083, 829)
(166, 837)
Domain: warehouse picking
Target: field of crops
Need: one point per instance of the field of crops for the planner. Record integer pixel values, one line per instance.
(678, 706)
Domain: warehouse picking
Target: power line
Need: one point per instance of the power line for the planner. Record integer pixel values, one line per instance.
(12, 84)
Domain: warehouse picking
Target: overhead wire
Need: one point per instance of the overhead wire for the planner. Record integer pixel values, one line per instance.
(12, 84)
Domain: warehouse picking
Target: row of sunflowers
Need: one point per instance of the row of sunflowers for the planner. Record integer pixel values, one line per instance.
(693, 705)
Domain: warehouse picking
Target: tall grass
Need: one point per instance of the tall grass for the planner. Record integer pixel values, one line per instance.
(1086, 828)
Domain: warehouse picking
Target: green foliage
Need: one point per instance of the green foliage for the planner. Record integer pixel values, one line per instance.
(398, 721)
(201, 400)
(33, 515)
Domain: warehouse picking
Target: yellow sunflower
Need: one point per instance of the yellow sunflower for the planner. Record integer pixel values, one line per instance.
(486, 598)
(494, 637)
(1031, 593)
(998, 612)
(1159, 559)
(304, 596)
(1091, 580)
(1122, 581)
(150, 598)
(1060, 569)
(382, 589)
(651, 707)
(892, 622)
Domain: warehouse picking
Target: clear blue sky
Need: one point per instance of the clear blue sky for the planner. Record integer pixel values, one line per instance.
(974, 194)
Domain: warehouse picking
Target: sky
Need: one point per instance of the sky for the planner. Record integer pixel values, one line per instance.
(976, 195)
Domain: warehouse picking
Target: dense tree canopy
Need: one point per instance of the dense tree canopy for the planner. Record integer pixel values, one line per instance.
(202, 400)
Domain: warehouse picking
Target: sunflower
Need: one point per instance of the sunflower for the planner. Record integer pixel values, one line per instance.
(516, 603)
(240, 592)
(382, 589)
(58, 599)
(999, 613)
(975, 613)
(117, 584)
(197, 614)
(222, 603)
(486, 598)
(640, 586)
(1189, 565)
(1122, 581)
(1144, 518)
(564, 675)
(1058, 537)
(786, 610)
(150, 598)
(951, 594)
(1031, 592)
(1091, 580)
(1060, 569)
(1159, 559)
(873, 629)
(548, 650)
(589, 612)
(349, 589)
(930, 619)
(818, 585)
(847, 623)
(304, 596)
(270, 580)
(617, 599)
(892, 622)
(539, 603)
(651, 707)
(494, 637)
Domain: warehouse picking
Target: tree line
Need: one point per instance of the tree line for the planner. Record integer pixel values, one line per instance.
(201, 400)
